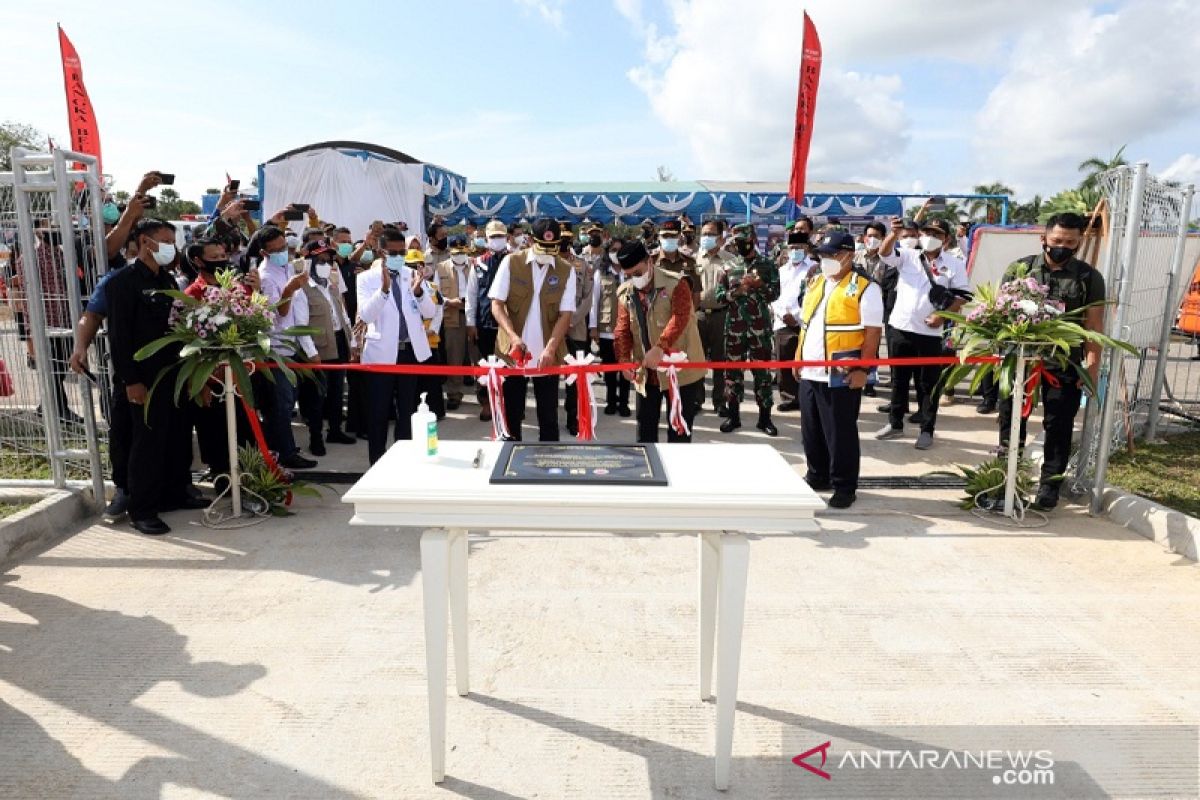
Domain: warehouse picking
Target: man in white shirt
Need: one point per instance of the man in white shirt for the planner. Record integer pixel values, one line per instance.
(929, 280)
(533, 300)
(284, 287)
(793, 274)
(841, 318)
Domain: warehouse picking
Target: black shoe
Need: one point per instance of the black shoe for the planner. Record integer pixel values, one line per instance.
(869, 391)
(151, 526)
(297, 461)
(732, 422)
(1047, 498)
(316, 446)
(610, 410)
(188, 503)
(886, 408)
(573, 428)
(722, 411)
(118, 506)
(624, 411)
(818, 486)
(452, 405)
(764, 422)
(337, 437)
(790, 405)
(917, 418)
(985, 408)
(842, 500)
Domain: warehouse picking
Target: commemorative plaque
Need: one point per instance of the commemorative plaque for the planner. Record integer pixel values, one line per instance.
(579, 463)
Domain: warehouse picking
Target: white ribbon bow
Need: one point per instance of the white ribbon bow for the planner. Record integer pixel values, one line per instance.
(494, 383)
(668, 364)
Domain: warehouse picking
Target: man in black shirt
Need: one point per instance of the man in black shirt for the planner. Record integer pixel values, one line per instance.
(160, 450)
(1076, 284)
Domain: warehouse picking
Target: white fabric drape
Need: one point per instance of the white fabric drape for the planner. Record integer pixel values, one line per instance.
(346, 189)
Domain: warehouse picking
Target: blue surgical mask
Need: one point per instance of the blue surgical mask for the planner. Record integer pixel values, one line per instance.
(367, 256)
(279, 259)
(110, 213)
(669, 244)
(480, 242)
(796, 256)
(708, 243)
(394, 263)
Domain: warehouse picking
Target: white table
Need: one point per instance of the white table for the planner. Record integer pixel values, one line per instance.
(720, 491)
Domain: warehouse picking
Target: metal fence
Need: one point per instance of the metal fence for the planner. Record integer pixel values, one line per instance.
(52, 428)
(1143, 265)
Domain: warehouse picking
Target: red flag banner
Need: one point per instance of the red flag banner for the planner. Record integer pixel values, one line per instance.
(85, 133)
(806, 106)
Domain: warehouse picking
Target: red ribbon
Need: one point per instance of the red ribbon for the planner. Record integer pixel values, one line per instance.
(1036, 376)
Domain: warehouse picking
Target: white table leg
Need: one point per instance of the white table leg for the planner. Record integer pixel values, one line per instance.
(458, 608)
(435, 570)
(735, 562)
(709, 544)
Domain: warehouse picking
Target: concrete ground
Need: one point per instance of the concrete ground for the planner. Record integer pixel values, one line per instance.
(287, 660)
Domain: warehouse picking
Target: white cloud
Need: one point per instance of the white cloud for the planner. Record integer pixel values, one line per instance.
(1084, 86)
(1185, 169)
(551, 11)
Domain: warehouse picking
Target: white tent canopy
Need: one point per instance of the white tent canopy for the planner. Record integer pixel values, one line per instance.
(353, 184)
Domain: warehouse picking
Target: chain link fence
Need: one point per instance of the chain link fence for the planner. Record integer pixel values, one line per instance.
(52, 429)
(1143, 264)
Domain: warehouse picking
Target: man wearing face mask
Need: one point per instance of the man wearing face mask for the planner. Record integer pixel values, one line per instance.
(607, 278)
(482, 327)
(533, 300)
(282, 285)
(1076, 284)
(328, 314)
(439, 242)
(867, 260)
(748, 288)
(655, 317)
(160, 451)
(711, 264)
(928, 281)
(841, 319)
(888, 278)
(393, 302)
(577, 334)
(793, 276)
(672, 260)
(458, 285)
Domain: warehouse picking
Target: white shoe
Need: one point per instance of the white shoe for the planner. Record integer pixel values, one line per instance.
(887, 432)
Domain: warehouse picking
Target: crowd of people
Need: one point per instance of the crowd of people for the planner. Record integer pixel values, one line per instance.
(529, 295)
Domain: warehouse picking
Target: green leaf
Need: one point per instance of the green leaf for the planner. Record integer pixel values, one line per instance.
(158, 344)
(241, 378)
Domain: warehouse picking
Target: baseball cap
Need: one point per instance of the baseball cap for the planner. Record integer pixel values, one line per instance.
(495, 228)
(939, 225)
(835, 242)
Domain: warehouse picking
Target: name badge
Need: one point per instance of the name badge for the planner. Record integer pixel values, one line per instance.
(552, 280)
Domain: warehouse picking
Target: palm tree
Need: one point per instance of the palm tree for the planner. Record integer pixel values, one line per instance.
(1027, 213)
(988, 209)
(1094, 167)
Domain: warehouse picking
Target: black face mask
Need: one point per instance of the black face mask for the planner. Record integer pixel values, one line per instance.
(1060, 255)
(745, 248)
(595, 241)
(213, 266)
(440, 244)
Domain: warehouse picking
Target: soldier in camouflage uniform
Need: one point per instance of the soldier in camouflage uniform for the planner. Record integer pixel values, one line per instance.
(747, 289)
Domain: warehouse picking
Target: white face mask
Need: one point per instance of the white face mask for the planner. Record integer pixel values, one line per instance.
(908, 242)
(830, 267)
(522, 241)
(796, 256)
(459, 259)
(497, 244)
(612, 257)
(708, 243)
(642, 281)
(931, 244)
(293, 242)
(872, 243)
(165, 254)
(323, 271)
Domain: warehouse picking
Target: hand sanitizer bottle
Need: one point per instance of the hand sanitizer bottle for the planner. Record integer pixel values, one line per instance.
(424, 429)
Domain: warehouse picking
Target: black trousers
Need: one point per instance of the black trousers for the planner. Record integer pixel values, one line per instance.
(616, 385)
(914, 345)
(545, 395)
(389, 394)
(211, 432)
(335, 387)
(650, 408)
(1060, 405)
(829, 430)
(571, 395)
(485, 340)
(786, 341)
(120, 436)
(356, 402)
(431, 385)
(160, 454)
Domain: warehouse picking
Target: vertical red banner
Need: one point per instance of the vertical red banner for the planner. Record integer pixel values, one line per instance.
(806, 106)
(85, 133)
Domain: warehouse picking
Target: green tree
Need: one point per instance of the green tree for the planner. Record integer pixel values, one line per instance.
(121, 197)
(1027, 213)
(1076, 201)
(989, 210)
(170, 206)
(1094, 167)
(17, 134)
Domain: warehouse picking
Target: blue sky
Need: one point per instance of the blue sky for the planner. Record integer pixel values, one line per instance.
(946, 96)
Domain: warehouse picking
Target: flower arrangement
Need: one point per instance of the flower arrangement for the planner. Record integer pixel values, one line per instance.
(1014, 316)
(230, 324)
(268, 482)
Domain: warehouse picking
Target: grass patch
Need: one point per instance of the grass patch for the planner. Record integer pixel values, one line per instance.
(24, 467)
(8, 509)
(1167, 473)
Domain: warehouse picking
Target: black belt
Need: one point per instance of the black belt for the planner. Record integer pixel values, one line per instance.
(403, 346)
